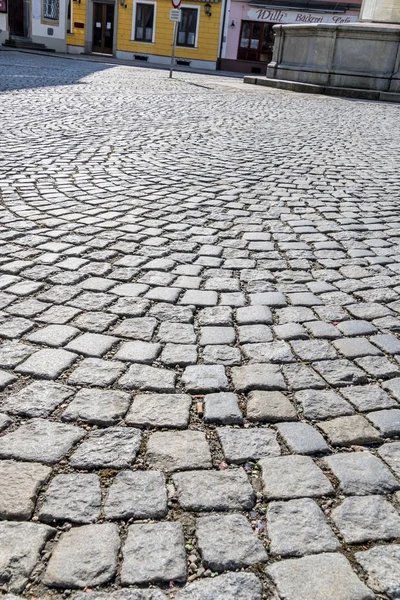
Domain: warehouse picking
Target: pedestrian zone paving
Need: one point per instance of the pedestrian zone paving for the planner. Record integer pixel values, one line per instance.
(200, 338)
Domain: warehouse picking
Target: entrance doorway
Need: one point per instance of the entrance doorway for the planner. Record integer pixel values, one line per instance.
(256, 41)
(103, 27)
(16, 18)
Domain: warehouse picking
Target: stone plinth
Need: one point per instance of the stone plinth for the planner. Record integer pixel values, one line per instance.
(352, 59)
(363, 56)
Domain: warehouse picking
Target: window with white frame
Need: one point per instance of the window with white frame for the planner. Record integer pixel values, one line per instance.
(187, 31)
(51, 9)
(144, 22)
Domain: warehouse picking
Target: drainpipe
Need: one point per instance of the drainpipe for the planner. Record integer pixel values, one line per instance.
(222, 34)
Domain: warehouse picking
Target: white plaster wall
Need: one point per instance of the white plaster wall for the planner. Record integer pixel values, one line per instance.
(39, 29)
(3, 27)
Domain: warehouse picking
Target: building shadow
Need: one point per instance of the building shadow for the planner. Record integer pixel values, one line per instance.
(23, 70)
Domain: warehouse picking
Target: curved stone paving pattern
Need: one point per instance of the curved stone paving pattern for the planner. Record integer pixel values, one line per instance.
(199, 318)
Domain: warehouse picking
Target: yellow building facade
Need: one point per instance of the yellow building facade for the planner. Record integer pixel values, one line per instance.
(141, 30)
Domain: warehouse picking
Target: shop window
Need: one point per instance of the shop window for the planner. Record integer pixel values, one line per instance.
(187, 31)
(144, 22)
(256, 41)
(51, 9)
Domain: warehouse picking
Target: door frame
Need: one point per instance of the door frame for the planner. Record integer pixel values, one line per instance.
(102, 9)
(89, 25)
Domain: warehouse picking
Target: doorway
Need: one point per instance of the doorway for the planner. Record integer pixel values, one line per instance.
(103, 28)
(256, 41)
(16, 18)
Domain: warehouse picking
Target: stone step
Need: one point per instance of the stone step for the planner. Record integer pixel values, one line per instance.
(26, 44)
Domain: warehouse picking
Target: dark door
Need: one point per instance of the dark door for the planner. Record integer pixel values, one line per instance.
(103, 27)
(256, 41)
(16, 19)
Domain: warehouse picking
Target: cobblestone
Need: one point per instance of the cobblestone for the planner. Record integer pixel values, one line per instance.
(154, 552)
(366, 518)
(213, 490)
(362, 473)
(20, 548)
(138, 495)
(320, 577)
(162, 322)
(228, 542)
(84, 556)
(19, 486)
(298, 527)
(72, 497)
(115, 447)
(382, 565)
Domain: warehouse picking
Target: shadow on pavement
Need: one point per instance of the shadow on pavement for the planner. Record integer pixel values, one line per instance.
(21, 71)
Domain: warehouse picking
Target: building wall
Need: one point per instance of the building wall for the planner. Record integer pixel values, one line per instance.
(3, 27)
(159, 51)
(47, 31)
(76, 40)
(240, 11)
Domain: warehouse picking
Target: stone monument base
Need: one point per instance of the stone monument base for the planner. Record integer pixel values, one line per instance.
(360, 60)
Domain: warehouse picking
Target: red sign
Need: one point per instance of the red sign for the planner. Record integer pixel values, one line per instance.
(175, 3)
(3, 6)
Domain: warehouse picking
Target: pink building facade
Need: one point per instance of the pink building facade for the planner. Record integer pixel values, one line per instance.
(248, 34)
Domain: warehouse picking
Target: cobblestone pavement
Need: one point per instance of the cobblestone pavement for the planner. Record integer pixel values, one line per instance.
(200, 309)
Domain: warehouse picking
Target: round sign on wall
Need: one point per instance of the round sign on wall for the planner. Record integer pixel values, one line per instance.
(176, 3)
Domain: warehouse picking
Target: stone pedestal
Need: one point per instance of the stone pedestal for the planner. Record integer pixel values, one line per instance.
(352, 59)
(380, 11)
(354, 55)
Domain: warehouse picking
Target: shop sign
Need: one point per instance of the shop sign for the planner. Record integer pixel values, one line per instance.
(3, 6)
(294, 16)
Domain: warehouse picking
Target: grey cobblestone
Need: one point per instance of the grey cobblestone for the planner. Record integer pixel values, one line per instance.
(362, 473)
(298, 527)
(38, 399)
(320, 577)
(72, 497)
(213, 490)
(84, 556)
(40, 440)
(154, 552)
(138, 495)
(366, 518)
(228, 542)
(21, 545)
(277, 283)
(19, 486)
(115, 447)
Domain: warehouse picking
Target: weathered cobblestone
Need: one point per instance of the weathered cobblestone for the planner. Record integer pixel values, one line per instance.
(320, 577)
(155, 314)
(213, 490)
(154, 553)
(84, 556)
(72, 497)
(366, 518)
(137, 494)
(39, 440)
(115, 447)
(228, 542)
(20, 548)
(298, 527)
(19, 486)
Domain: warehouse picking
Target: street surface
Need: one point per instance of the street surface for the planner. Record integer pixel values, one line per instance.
(200, 351)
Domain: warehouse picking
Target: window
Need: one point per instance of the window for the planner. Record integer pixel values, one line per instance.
(256, 41)
(188, 27)
(51, 9)
(144, 22)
